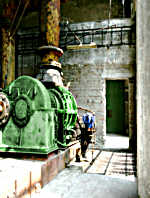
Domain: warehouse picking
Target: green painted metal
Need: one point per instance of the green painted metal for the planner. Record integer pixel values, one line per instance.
(40, 119)
(115, 106)
(66, 109)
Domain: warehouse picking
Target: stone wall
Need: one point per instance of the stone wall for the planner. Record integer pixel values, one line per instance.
(88, 70)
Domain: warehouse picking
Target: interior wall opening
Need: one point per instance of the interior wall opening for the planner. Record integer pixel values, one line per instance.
(117, 113)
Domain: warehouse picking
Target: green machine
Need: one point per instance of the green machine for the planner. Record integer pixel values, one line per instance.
(35, 119)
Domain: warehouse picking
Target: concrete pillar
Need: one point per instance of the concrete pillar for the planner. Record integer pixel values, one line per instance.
(143, 97)
(49, 51)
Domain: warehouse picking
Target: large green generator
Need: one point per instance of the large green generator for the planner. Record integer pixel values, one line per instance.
(35, 119)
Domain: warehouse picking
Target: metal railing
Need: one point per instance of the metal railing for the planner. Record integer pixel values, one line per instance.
(108, 36)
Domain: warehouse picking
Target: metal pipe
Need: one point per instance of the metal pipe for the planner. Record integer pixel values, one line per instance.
(109, 12)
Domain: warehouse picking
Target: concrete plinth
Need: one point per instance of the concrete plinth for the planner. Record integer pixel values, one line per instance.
(25, 177)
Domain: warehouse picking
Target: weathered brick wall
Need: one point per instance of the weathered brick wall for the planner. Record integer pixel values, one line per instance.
(88, 69)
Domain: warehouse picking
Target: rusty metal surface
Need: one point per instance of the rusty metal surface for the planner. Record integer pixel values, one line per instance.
(8, 9)
(50, 17)
(50, 56)
(50, 29)
(8, 58)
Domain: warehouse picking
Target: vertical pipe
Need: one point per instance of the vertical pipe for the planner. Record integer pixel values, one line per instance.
(109, 12)
(102, 36)
(121, 35)
(111, 42)
(123, 8)
(50, 18)
(50, 31)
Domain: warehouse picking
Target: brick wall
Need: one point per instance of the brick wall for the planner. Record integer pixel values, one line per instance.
(88, 69)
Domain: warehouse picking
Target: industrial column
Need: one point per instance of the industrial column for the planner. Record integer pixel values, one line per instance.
(143, 97)
(50, 70)
(7, 45)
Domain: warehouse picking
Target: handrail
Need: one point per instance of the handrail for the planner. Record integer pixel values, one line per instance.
(67, 36)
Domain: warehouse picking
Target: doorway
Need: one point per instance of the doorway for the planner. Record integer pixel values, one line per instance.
(116, 107)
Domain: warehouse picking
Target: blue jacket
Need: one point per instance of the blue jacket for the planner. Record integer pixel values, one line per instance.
(88, 120)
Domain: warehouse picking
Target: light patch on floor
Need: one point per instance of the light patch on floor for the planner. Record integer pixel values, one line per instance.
(115, 164)
(116, 142)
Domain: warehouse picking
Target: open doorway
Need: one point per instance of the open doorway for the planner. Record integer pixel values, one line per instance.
(117, 114)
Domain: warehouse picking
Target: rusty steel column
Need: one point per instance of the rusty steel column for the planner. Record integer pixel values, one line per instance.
(49, 50)
(7, 44)
(8, 58)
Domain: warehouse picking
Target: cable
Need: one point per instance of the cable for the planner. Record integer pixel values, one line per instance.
(27, 2)
(74, 33)
(15, 16)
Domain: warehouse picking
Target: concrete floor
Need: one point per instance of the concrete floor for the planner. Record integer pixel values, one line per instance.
(115, 142)
(80, 181)
(72, 183)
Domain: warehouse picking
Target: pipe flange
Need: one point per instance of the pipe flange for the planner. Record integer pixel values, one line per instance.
(48, 48)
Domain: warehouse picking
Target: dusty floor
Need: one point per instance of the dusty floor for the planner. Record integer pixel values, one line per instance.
(115, 142)
(103, 173)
